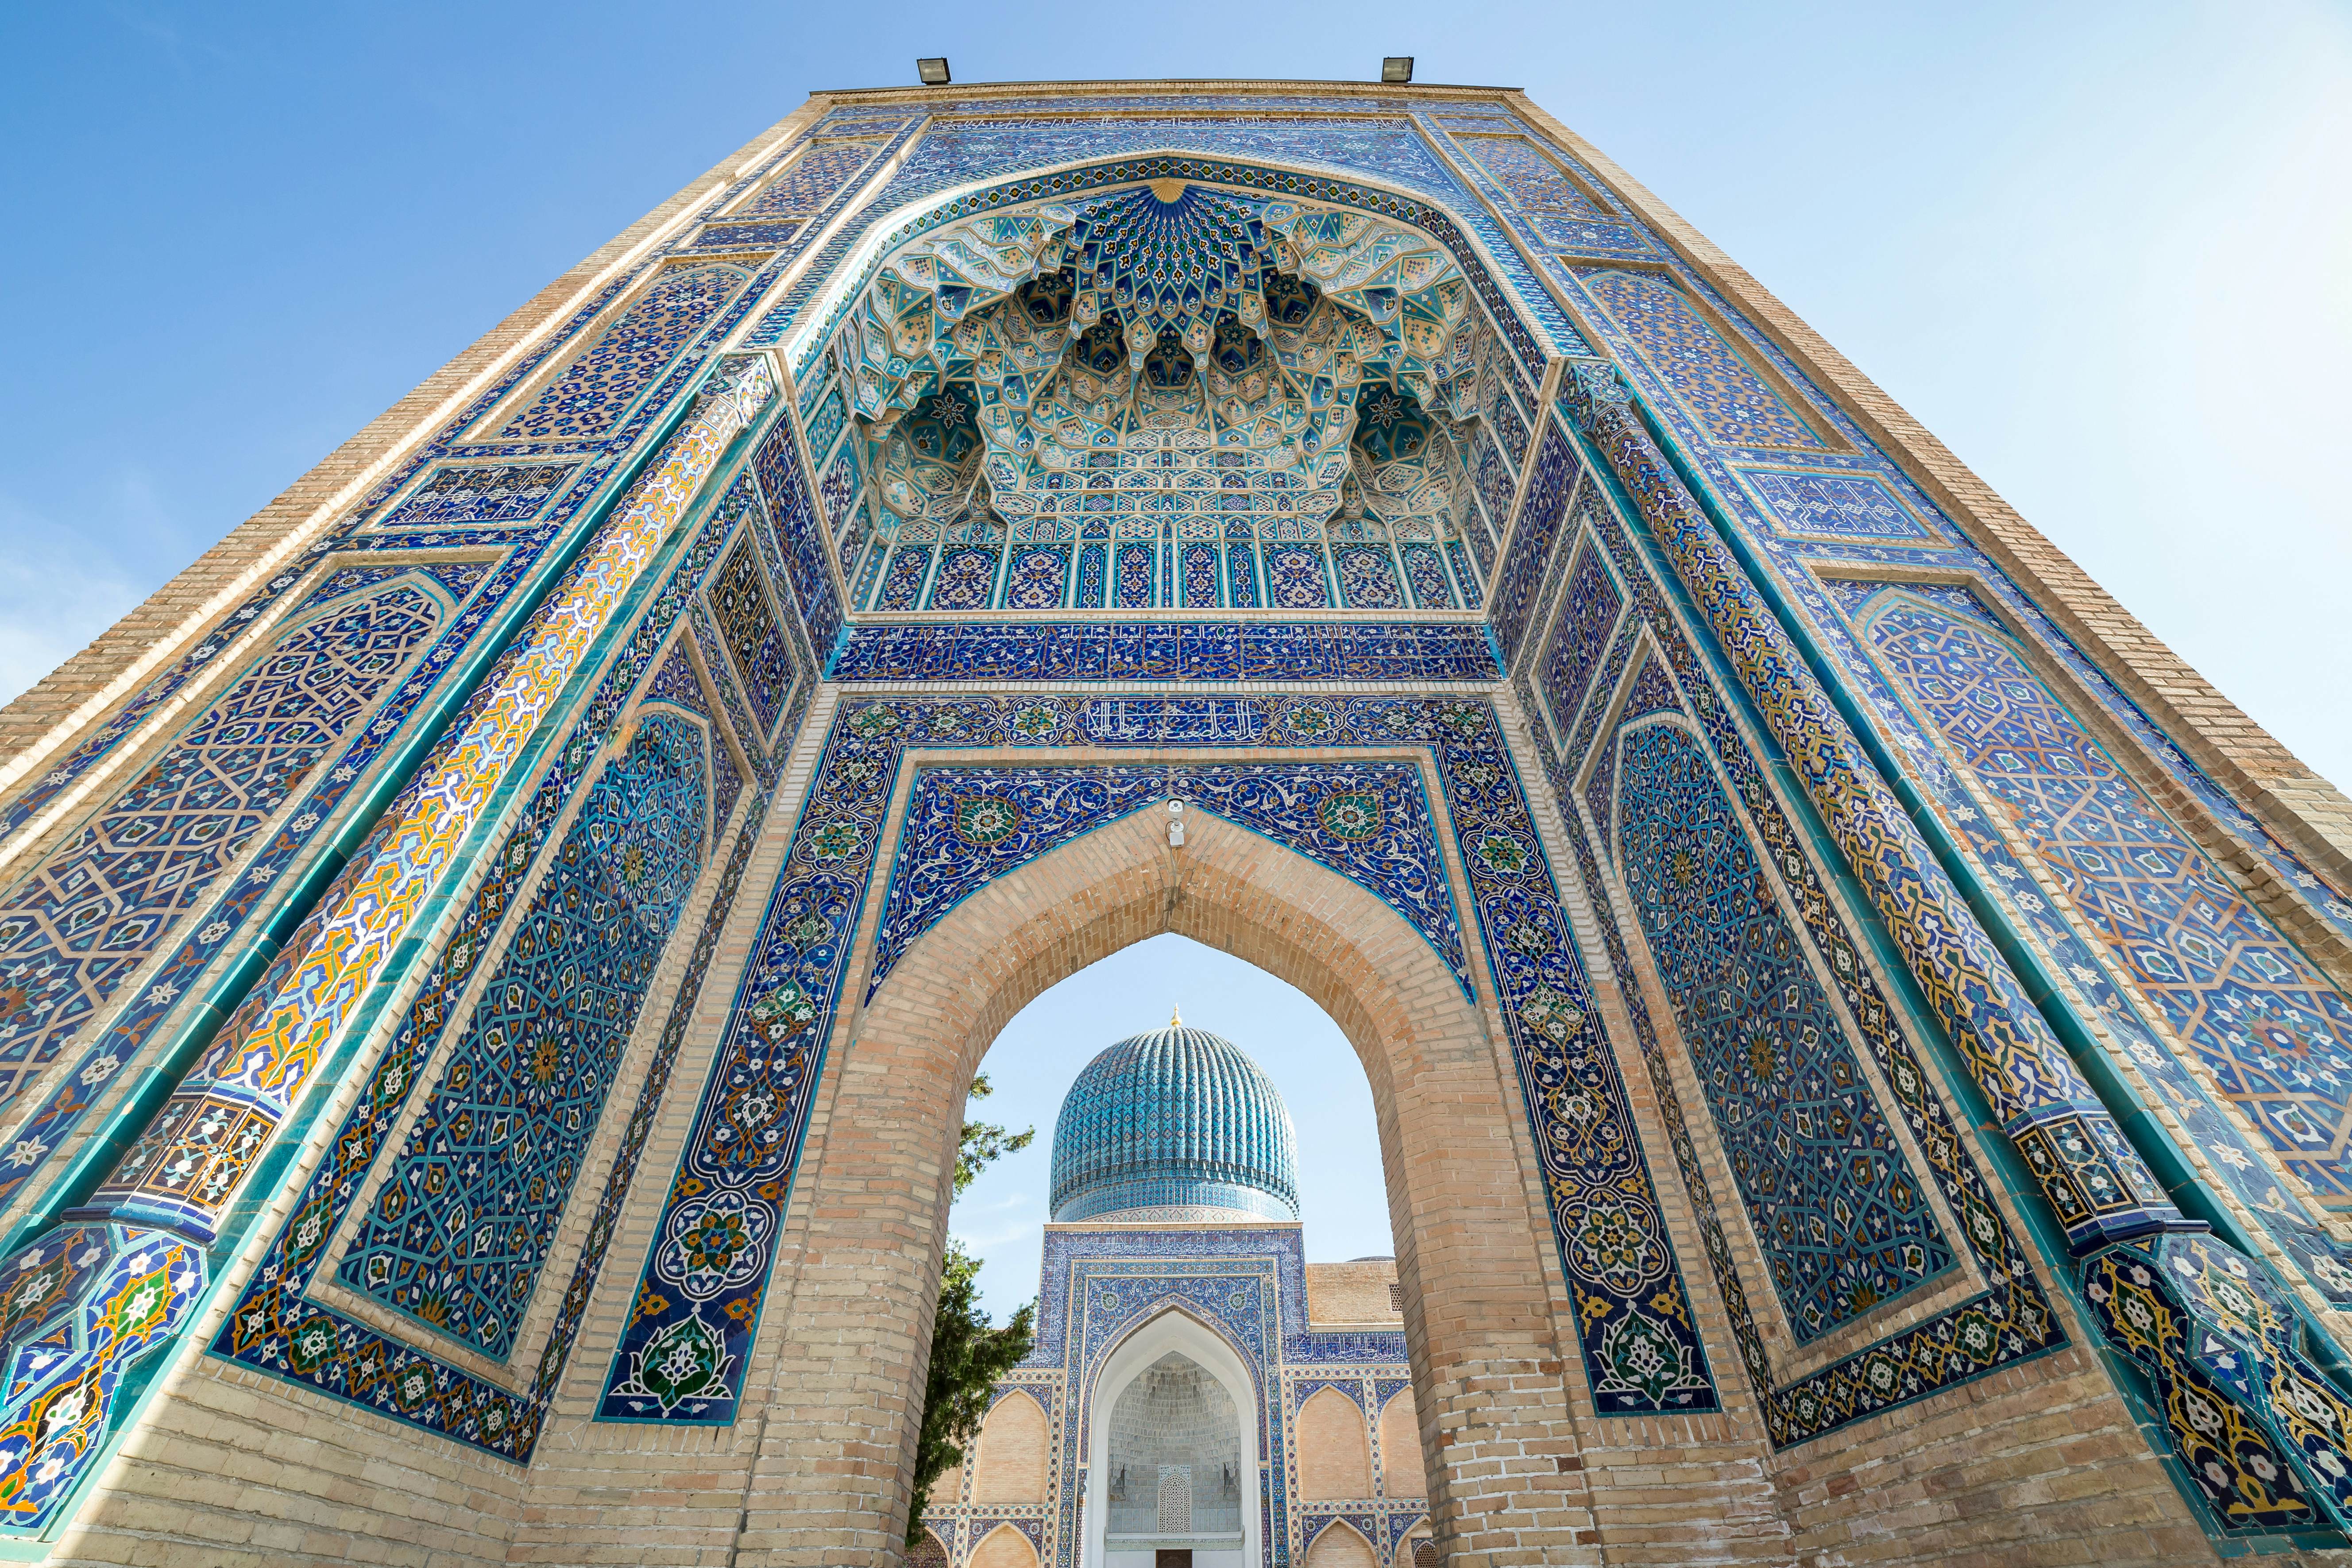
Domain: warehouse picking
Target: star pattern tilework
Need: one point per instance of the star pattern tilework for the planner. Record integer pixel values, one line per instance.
(275, 1326)
(1844, 1222)
(1712, 379)
(966, 827)
(2011, 1321)
(74, 929)
(699, 1298)
(2274, 1035)
(464, 1220)
(589, 395)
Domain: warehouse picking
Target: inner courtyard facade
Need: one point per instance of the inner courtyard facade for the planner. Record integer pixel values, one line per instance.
(493, 955)
(1175, 1241)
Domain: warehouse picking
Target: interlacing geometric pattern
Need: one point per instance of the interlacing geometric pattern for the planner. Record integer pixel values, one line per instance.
(1836, 506)
(684, 1348)
(2098, 1183)
(196, 1152)
(1843, 1222)
(507, 493)
(464, 1220)
(2262, 1401)
(2265, 1434)
(2274, 1034)
(1715, 382)
(597, 389)
(1175, 358)
(2008, 1322)
(74, 929)
(1148, 399)
(274, 1326)
(966, 827)
(739, 599)
(2240, 1154)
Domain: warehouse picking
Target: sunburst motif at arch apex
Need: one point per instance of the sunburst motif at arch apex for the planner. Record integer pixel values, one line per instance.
(1165, 362)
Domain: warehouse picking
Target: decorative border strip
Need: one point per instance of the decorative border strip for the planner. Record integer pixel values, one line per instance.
(1169, 651)
(1633, 1310)
(2013, 1320)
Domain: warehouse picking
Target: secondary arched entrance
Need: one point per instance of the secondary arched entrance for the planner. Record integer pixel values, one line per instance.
(1173, 1421)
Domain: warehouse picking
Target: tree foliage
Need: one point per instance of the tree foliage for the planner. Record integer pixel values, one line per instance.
(968, 1354)
(982, 1144)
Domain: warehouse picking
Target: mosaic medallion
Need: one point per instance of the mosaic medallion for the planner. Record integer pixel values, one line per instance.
(982, 820)
(1350, 815)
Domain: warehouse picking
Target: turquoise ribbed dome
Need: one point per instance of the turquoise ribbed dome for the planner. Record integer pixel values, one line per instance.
(1175, 1119)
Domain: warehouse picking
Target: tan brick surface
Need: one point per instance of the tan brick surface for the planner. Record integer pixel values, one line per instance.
(1400, 1469)
(1341, 1545)
(1357, 1292)
(1335, 1448)
(1010, 1464)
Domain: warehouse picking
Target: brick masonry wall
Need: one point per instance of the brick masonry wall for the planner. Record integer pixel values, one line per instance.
(1352, 1292)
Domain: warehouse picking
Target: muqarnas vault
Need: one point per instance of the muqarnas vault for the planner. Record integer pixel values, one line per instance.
(492, 956)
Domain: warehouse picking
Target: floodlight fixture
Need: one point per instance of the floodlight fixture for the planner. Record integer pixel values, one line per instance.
(1396, 69)
(934, 71)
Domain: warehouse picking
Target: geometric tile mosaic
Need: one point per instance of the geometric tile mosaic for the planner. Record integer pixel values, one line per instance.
(1713, 380)
(1557, 468)
(463, 1222)
(1836, 506)
(1580, 637)
(739, 599)
(2274, 1035)
(802, 189)
(509, 493)
(1167, 650)
(966, 826)
(2012, 1320)
(275, 1326)
(75, 927)
(1535, 183)
(1843, 1223)
(700, 1296)
(676, 683)
(592, 391)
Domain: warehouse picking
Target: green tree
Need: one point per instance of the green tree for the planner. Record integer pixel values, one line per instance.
(967, 1354)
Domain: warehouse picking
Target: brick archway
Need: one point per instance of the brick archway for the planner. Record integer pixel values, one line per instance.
(850, 1324)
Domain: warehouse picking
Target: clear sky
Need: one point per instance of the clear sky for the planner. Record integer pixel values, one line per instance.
(2104, 250)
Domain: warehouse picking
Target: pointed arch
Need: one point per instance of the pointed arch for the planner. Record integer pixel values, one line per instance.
(1004, 1547)
(1010, 1464)
(1335, 1453)
(1401, 1471)
(869, 1213)
(1173, 1329)
(1341, 1545)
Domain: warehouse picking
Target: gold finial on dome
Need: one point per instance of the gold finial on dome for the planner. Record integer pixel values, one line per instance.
(1175, 1018)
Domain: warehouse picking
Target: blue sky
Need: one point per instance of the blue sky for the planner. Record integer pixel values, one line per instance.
(2104, 250)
